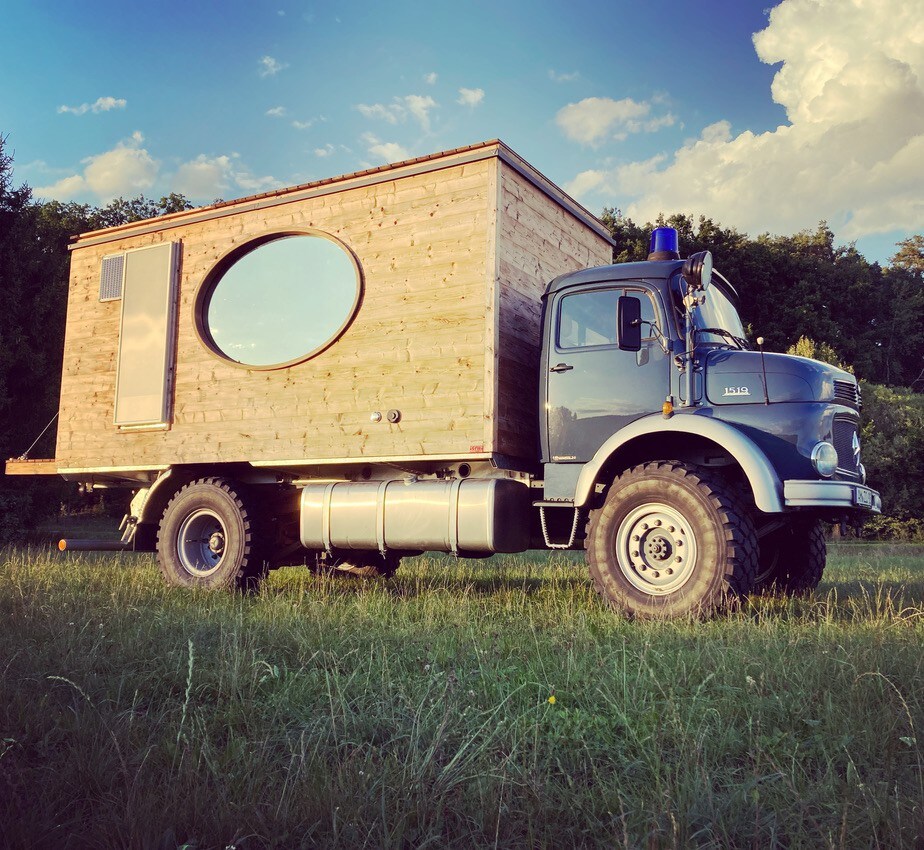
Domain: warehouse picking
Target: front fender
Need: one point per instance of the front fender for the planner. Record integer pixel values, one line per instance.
(758, 470)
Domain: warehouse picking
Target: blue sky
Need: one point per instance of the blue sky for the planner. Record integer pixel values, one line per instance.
(661, 106)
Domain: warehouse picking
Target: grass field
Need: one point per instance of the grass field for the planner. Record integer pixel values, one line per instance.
(461, 704)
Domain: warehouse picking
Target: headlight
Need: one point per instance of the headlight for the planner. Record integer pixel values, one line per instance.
(824, 459)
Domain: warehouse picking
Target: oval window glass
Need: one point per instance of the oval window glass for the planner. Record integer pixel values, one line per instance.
(283, 301)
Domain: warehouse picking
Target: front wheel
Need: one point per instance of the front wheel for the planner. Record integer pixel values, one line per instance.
(207, 538)
(670, 540)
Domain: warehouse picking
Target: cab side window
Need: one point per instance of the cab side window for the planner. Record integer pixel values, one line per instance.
(587, 319)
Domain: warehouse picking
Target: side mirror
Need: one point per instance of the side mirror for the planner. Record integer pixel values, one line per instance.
(697, 271)
(629, 323)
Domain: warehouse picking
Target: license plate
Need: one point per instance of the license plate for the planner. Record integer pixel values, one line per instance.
(863, 498)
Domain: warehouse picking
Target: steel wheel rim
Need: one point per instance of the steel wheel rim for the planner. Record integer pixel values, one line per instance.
(656, 549)
(200, 543)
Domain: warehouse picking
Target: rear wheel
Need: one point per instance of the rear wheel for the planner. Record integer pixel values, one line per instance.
(792, 558)
(206, 538)
(670, 540)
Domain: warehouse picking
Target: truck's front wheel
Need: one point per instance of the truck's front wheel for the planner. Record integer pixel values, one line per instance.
(206, 538)
(670, 540)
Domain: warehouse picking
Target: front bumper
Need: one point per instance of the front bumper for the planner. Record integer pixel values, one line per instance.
(831, 494)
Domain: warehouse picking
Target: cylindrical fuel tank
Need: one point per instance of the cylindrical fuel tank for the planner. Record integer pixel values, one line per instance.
(462, 514)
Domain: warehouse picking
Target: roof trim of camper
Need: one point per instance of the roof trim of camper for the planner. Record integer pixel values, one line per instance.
(331, 185)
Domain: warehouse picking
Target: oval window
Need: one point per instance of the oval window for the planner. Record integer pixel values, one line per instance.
(280, 301)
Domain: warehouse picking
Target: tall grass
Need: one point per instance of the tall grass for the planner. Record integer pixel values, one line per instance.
(460, 704)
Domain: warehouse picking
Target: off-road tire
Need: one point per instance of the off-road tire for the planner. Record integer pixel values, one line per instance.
(207, 538)
(671, 540)
(792, 559)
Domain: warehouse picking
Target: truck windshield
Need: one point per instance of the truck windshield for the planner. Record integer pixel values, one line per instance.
(717, 319)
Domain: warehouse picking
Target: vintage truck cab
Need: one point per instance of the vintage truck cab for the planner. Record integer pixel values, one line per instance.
(704, 466)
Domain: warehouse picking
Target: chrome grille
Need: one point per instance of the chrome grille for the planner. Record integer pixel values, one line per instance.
(847, 392)
(845, 434)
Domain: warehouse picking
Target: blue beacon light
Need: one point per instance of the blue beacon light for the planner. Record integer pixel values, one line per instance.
(665, 244)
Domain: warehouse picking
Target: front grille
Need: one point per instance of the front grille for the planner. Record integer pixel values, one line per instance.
(847, 392)
(845, 439)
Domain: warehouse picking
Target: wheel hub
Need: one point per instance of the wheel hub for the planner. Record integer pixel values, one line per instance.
(201, 543)
(656, 549)
(217, 543)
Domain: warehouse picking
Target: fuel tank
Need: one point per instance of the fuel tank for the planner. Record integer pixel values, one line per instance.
(456, 515)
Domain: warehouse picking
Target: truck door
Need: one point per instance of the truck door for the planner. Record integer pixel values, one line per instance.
(594, 389)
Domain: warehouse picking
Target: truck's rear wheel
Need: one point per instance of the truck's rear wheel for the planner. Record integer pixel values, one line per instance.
(792, 558)
(206, 538)
(670, 540)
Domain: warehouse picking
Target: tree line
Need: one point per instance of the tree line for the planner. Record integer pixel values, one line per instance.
(799, 290)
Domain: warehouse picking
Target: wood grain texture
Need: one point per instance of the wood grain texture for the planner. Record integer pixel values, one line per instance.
(454, 261)
(537, 241)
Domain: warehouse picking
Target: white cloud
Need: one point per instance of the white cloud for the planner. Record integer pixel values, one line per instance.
(127, 169)
(303, 125)
(419, 106)
(203, 177)
(430, 79)
(851, 153)
(586, 181)
(276, 112)
(101, 104)
(269, 67)
(386, 151)
(563, 77)
(391, 114)
(327, 150)
(412, 105)
(470, 97)
(208, 177)
(593, 119)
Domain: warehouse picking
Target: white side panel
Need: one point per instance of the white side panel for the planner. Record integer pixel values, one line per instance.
(146, 337)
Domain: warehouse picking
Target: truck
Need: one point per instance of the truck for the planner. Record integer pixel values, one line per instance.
(439, 355)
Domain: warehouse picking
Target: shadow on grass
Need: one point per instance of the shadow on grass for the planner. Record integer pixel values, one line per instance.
(411, 587)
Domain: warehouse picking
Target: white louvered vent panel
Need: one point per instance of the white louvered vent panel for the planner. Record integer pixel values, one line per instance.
(110, 277)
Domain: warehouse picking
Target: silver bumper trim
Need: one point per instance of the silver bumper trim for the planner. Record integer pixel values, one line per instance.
(831, 494)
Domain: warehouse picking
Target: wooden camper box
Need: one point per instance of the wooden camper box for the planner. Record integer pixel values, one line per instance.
(455, 251)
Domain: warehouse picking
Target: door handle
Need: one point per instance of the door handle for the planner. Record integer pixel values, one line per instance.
(561, 367)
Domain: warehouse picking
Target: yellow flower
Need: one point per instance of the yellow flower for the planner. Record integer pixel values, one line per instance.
(552, 700)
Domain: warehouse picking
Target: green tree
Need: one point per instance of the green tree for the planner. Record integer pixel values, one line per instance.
(32, 296)
(34, 271)
(806, 347)
(910, 254)
(893, 448)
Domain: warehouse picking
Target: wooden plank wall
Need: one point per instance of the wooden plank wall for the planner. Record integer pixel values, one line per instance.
(417, 344)
(538, 240)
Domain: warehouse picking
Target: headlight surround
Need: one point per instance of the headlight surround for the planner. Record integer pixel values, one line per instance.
(824, 459)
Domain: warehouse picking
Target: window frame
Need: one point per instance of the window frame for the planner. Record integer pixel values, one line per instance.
(224, 264)
(624, 288)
